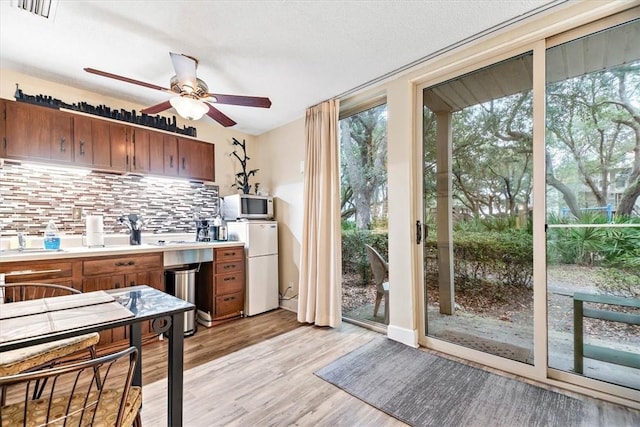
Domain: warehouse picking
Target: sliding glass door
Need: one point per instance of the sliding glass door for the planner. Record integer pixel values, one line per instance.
(477, 203)
(593, 212)
(479, 174)
(363, 188)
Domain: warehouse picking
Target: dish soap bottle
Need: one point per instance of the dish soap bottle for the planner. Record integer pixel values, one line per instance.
(51, 237)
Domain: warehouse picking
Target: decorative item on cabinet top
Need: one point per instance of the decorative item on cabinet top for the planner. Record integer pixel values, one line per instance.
(156, 122)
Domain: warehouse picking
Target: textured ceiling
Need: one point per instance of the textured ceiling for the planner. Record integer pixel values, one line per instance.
(297, 53)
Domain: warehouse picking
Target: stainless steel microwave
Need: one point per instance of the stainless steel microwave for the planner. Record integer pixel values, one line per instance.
(247, 206)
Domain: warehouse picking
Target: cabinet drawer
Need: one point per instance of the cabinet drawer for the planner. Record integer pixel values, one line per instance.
(123, 264)
(229, 267)
(227, 283)
(37, 271)
(228, 254)
(230, 303)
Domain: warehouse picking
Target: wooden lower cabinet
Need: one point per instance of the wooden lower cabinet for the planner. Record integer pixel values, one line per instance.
(106, 273)
(58, 272)
(220, 289)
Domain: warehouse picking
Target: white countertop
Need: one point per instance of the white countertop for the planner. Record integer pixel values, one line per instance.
(71, 249)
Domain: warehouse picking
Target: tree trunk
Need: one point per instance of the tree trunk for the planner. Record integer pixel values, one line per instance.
(567, 194)
(356, 178)
(629, 197)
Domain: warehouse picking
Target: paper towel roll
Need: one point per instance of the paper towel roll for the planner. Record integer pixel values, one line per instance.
(95, 230)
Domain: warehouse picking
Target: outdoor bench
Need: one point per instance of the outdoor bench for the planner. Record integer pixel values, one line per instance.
(605, 354)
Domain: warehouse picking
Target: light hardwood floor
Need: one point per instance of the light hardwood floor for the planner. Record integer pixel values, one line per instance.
(260, 374)
(258, 371)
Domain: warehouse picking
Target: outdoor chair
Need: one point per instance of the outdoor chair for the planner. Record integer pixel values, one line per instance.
(73, 398)
(26, 359)
(380, 272)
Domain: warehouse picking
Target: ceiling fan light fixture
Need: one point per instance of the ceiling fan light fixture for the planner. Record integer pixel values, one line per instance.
(189, 108)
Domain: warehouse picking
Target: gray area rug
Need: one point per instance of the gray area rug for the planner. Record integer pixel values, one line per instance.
(423, 389)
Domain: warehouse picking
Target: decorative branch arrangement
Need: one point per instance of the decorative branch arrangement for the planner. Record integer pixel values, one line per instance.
(242, 178)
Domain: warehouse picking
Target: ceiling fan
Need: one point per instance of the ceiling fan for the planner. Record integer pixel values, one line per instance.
(191, 95)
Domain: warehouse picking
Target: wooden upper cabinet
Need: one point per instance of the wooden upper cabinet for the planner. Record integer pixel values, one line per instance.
(37, 132)
(101, 137)
(119, 146)
(189, 163)
(171, 161)
(101, 144)
(22, 138)
(156, 152)
(139, 150)
(182, 157)
(61, 136)
(92, 142)
(196, 159)
(82, 141)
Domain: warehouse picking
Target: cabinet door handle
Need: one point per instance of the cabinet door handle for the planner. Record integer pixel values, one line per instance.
(229, 254)
(117, 285)
(81, 147)
(132, 283)
(226, 279)
(171, 161)
(122, 263)
(226, 267)
(134, 161)
(229, 298)
(184, 163)
(63, 144)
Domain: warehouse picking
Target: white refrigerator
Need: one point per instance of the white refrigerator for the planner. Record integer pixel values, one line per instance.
(261, 247)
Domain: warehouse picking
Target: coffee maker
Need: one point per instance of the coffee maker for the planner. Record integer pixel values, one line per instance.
(202, 231)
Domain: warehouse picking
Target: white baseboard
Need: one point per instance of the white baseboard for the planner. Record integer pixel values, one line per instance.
(289, 304)
(405, 336)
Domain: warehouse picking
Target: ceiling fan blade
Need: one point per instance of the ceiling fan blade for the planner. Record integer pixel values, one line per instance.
(219, 116)
(185, 67)
(247, 101)
(125, 79)
(154, 109)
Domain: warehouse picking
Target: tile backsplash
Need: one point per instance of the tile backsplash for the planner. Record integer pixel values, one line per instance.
(31, 195)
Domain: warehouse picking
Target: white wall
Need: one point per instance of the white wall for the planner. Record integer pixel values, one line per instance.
(208, 130)
(281, 152)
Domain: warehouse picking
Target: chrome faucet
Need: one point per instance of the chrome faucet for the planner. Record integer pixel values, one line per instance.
(22, 242)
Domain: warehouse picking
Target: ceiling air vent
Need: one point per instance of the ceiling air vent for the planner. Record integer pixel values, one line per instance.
(44, 8)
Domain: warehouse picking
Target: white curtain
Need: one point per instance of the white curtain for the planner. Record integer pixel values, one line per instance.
(320, 282)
